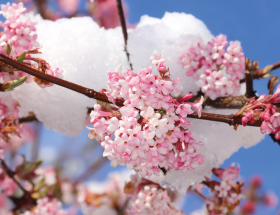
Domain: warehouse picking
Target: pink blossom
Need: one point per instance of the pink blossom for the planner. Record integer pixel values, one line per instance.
(68, 6)
(223, 189)
(248, 207)
(270, 200)
(105, 13)
(143, 134)
(151, 200)
(184, 110)
(218, 72)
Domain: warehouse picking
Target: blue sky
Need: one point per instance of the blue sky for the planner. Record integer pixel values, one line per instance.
(256, 24)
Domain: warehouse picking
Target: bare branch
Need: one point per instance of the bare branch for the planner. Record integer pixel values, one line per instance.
(124, 30)
(92, 169)
(249, 85)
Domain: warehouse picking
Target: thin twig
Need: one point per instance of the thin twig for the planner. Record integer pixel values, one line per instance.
(92, 169)
(41, 6)
(36, 143)
(124, 30)
(229, 119)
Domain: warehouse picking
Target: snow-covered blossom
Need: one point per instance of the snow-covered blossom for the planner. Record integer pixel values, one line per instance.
(217, 70)
(263, 109)
(20, 37)
(149, 198)
(19, 31)
(150, 130)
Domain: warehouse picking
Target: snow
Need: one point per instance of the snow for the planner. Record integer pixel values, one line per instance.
(221, 141)
(86, 53)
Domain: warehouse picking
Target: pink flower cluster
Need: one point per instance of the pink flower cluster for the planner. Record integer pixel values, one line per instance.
(229, 190)
(151, 130)
(149, 199)
(47, 206)
(262, 108)
(18, 31)
(217, 70)
(105, 12)
(20, 34)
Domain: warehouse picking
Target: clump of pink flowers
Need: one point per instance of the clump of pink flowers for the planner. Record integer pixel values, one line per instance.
(148, 198)
(150, 130)
(225, 194)
(263, 108)
(19, 41)
(217, 70)
(19, 32)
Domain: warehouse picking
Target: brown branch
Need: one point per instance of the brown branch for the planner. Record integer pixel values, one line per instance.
(249, 85)
(92, 169)
(30, 201)
(231, 102)
(42, 9)
(262, 73)
(66, 84)
(124, 30)
(230, 119)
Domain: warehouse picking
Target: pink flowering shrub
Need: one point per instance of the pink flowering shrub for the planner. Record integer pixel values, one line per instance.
(263, 108)
(148, 198)
(151, 130)
(19, 39)
(217, 70)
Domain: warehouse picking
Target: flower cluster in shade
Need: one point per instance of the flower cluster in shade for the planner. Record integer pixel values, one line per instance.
(150, 130)
(225, 194)
(263, 109)
(217, 70)
(8, 129)
(99, 198)
(46, 206)
(20, 35)
(148, 198)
